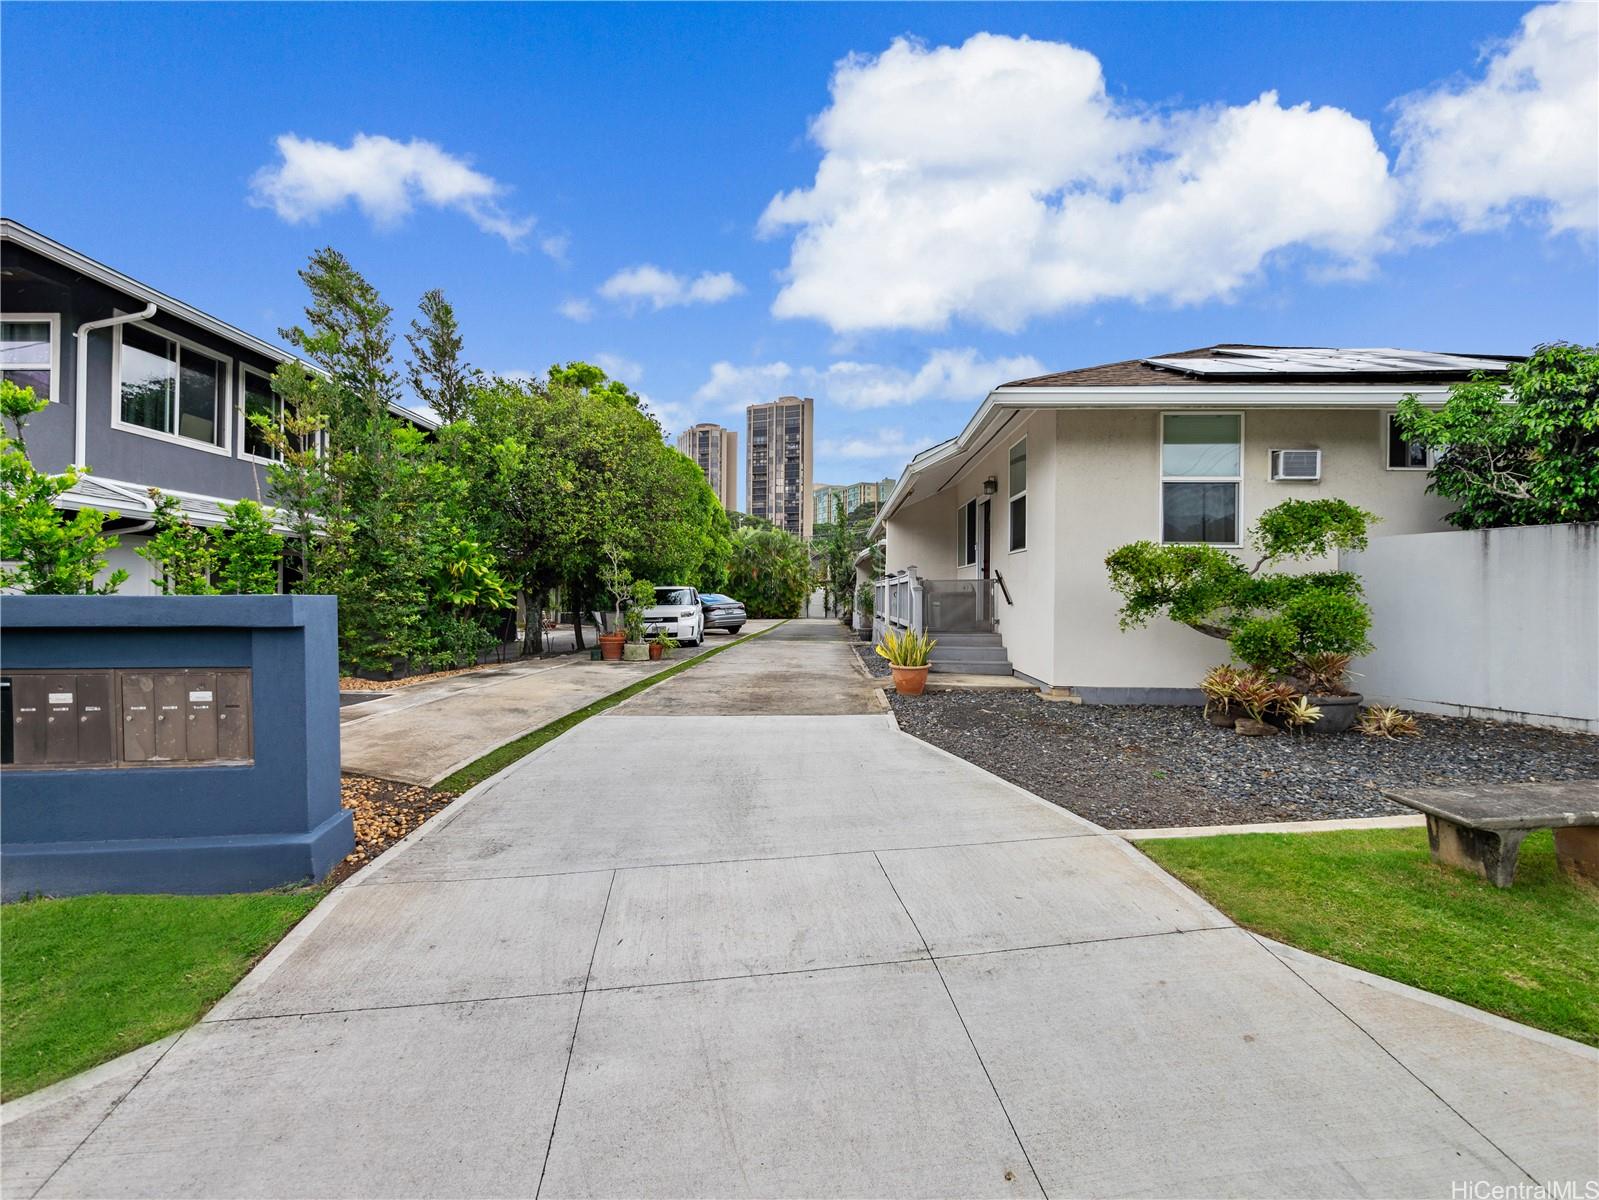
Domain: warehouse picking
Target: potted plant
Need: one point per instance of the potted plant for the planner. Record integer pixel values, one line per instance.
(1324, 678)
(617, 578)
(634, 648)
(865, 601)
(662, 645)
(1220, 687)
(907, 655)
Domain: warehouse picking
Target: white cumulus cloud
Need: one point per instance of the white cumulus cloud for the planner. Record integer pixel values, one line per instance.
(962, 375)
(946, 375)
(618, 367)
(1523, 136)
(649, 284)
(576, 308)
(888, 445)
(386, 179)
(731, 387)
(996, 180)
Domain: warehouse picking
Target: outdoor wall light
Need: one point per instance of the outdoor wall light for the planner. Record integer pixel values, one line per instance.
(990, 486)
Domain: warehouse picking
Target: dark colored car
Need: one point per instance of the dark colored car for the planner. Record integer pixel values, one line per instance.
(722, 612)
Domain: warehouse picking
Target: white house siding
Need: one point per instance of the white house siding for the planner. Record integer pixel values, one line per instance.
(1502, 623)
(141, 579)
(1109, 494)
(925, 535)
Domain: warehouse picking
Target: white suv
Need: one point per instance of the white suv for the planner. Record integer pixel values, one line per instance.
(676, 611)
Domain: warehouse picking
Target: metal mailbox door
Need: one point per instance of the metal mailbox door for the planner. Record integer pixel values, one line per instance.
(200, 716)
(61, 719)
(95, 735)
(169, 713)
(137, 689)
(233, 716)
(28, 719)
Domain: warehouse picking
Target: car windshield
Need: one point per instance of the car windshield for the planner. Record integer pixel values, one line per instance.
(674, 595)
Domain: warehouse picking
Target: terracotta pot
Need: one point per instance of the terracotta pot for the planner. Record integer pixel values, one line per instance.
(1338, 714)
(909, 681)
(1250, 727)
(656, 650)
(611, 646)
(635, 652)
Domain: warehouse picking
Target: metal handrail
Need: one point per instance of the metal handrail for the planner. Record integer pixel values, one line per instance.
(1004, 589)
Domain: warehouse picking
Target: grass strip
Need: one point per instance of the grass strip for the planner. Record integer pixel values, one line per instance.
(1374, 899)
(497, 760)
(90, 977)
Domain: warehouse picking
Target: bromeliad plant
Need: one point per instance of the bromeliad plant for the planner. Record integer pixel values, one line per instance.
(1299, 713)
(1386, 722)
(1220, 688)
(908, 649)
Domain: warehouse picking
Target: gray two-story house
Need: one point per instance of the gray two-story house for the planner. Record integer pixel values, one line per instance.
(145, 391)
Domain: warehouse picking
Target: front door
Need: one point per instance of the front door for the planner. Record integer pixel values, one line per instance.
(986, 542)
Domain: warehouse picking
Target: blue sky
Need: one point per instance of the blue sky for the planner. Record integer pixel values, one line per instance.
(891, 208)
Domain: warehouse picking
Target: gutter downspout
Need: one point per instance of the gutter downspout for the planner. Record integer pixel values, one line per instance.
(80, 421)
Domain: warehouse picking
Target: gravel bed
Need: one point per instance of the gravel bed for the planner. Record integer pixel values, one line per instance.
(384, 812)
(1145, 767)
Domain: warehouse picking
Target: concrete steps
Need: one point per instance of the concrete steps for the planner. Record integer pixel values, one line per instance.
(969, 654)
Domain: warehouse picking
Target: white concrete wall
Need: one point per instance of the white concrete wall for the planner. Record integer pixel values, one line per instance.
(926, 535)
(141, 579)
(1109, 495)
(1501, 623)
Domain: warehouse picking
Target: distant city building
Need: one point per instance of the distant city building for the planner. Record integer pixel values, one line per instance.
(835, 501)
(715, 451)
(778, 478)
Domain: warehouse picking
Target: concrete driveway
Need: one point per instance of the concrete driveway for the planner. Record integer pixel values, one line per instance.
(424, 732)
(718, 955)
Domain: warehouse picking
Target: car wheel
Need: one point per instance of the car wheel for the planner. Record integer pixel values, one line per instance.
(733, 629)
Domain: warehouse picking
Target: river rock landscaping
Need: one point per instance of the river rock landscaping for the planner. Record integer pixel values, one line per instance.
(1147, 767)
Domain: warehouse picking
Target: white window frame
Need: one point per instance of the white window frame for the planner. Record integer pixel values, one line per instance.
(1010, 500)
(224, 403)
(54, 365)
(1385, 435)
(1160, 466)
(960, 534)
(244, 420)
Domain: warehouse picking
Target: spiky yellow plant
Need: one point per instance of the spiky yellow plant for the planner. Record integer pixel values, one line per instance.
(909, 649)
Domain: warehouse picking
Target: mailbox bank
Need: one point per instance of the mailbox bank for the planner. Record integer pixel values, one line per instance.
(168, 743)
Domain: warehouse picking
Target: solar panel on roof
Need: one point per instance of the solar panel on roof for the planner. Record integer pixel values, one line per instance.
(1316, 360)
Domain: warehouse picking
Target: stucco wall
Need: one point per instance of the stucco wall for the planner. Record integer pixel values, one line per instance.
(926, 534)
(1108, 494)
(1501, 622)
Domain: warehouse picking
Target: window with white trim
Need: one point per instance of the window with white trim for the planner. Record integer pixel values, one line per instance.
(171, 387)
(260, 399)
(1018, 496)
(28, 351)
(1405, 455)
(966, 534)
(1201, 468)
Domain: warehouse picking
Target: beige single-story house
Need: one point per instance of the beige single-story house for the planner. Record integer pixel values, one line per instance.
(995, 540)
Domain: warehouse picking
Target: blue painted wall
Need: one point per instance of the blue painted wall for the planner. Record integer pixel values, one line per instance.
(190, 829)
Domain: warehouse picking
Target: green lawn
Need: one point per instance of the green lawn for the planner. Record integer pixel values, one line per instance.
(1373, 899)
(87, 978)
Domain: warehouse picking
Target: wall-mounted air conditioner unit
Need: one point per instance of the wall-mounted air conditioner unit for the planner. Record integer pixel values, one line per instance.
(1302, 466)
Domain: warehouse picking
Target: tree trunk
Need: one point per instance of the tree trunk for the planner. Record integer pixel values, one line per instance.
(532, 625)
(578, 600)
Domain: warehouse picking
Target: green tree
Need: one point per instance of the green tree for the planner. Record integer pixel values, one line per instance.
(45, 552)
(770, 572)
(248, 551)
(1517, 449)
(437, 373)
(183, 554)
(1273, 620)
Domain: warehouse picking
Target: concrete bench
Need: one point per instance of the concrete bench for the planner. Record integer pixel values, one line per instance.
(1480, 829)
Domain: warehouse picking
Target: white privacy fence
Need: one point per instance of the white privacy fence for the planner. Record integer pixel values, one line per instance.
(1500, 623)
